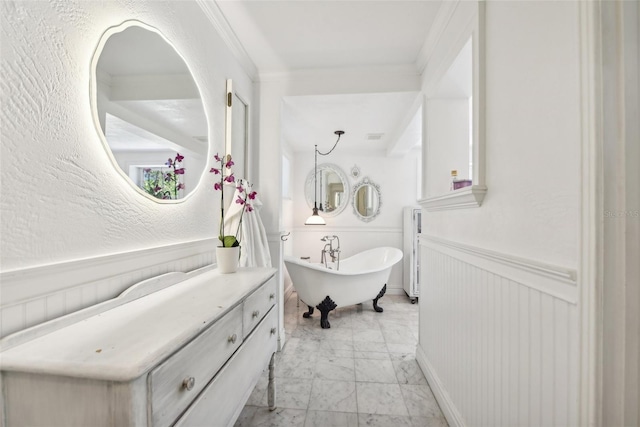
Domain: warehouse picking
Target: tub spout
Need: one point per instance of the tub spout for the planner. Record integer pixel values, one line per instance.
(323, 254)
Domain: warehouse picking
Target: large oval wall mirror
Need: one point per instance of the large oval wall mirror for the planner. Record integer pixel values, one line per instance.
(366, 200)
(332, 189)
(148, 111)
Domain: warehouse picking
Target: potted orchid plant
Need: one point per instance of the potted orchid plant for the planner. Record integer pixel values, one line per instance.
(244, 196)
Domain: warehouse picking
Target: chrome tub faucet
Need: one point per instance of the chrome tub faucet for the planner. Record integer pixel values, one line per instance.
(334, 253)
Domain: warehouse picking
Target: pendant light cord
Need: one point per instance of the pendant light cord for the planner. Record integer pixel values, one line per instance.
(339, 133)
(315, 178)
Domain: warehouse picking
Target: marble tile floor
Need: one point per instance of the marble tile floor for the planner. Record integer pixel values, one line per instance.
(360, 372)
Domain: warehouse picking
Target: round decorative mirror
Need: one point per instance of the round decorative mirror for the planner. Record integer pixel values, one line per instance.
(148, 112)
(366, 200)
(332, 189)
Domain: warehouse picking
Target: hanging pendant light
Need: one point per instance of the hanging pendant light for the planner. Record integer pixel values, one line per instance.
(315, 218)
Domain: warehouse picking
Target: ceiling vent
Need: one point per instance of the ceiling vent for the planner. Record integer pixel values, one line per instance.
(374, 136)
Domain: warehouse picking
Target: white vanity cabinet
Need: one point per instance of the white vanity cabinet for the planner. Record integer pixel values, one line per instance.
(186, 354)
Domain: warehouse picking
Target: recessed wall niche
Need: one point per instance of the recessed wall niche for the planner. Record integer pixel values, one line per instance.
(148, 112)
(454, 124)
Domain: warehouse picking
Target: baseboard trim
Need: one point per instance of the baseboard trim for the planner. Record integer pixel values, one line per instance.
(395, 291)
(288, 292)
(451, 413)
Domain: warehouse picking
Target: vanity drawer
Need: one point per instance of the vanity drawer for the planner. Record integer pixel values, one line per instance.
(222, 400)
(175, 383)
(257, 305)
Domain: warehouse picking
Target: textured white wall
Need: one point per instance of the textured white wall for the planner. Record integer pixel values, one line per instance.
(61, 197)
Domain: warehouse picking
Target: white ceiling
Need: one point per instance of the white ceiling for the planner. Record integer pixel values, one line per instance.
(294, 35)
(311, 120)
(286, 35)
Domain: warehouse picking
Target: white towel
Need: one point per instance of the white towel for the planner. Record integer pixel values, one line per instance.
(254, 251)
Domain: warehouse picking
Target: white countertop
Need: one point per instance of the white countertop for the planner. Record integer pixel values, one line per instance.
(122, 343)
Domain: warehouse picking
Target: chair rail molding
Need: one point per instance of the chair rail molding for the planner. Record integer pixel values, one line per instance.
(559, 282)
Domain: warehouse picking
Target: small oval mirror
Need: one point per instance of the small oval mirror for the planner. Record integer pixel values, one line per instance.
(148, 111)
(366, 200)
(331, 191)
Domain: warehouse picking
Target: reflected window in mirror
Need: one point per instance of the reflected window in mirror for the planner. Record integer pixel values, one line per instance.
(366, 200)
(332, 189)
(148, 111)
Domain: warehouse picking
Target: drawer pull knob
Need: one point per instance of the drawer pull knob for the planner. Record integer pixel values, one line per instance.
(189, 383)
(232, 338)
(273, 331)
(256, 313)
(272, 296)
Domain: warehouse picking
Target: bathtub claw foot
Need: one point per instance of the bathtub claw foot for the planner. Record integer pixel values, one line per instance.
(308, 313)
(375, 301)
(325, 307)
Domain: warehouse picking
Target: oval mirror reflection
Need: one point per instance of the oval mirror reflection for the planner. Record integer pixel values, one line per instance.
(148, 109)
(366, 200)
(331, 189)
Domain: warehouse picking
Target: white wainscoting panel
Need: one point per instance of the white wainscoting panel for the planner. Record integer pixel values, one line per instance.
(498, 337)
(35, 295)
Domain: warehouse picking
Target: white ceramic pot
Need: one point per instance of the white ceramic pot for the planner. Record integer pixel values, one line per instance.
(227, 259)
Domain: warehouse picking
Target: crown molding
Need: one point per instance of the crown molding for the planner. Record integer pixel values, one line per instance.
(444, 15)
(219, 21)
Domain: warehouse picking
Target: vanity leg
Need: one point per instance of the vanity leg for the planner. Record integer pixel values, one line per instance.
(325, 307)
(375, 301)
(308, 313)
(271, 389)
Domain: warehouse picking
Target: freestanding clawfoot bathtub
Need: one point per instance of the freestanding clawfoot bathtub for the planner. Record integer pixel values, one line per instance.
(361, 277)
